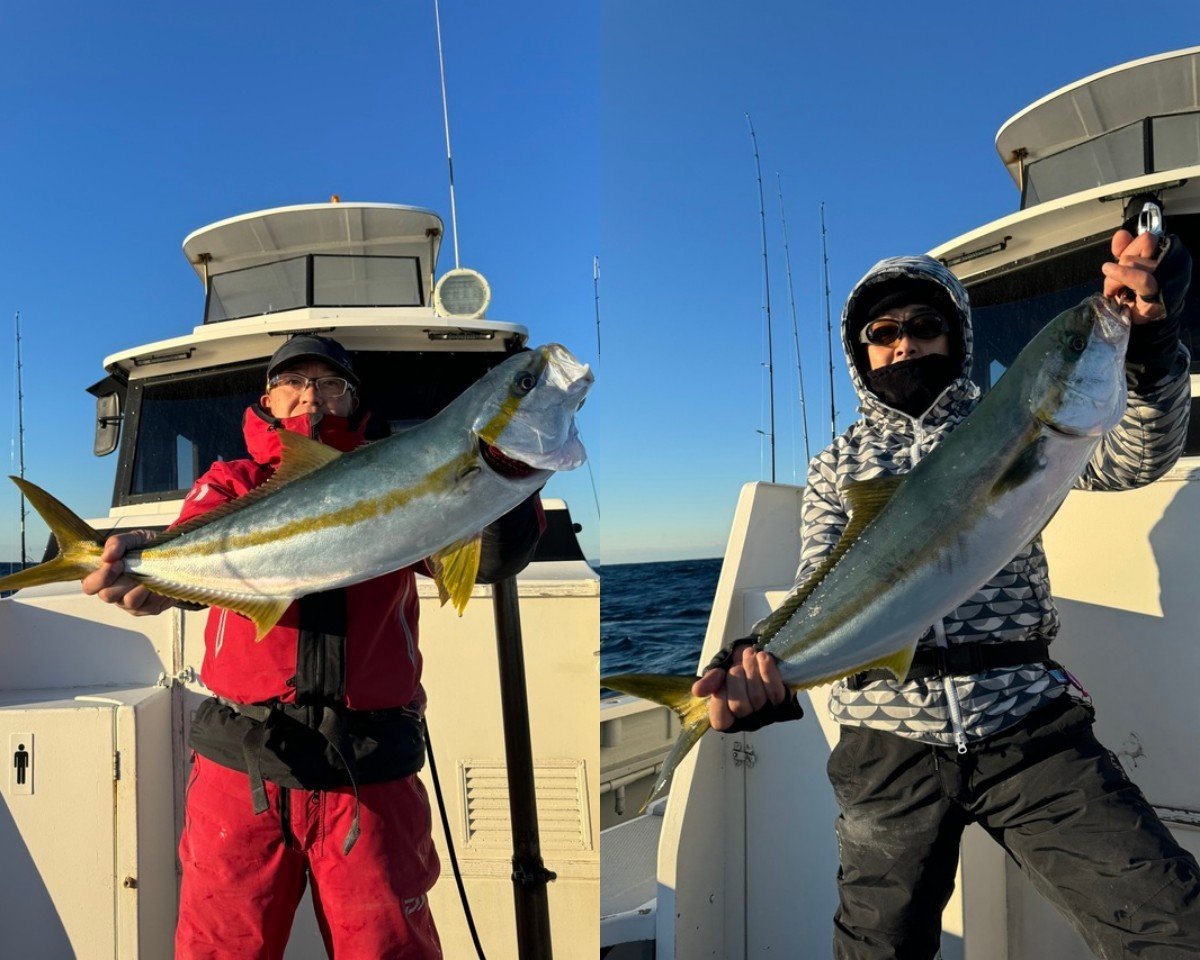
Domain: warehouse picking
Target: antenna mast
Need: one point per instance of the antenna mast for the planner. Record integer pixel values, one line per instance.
(20, 431)
(762, 214)
(596, 292)
(787, 259)
(828, 331)
(446, 125)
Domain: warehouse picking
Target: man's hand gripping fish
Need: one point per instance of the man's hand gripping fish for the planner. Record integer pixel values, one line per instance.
(918, 545)
(427, 492)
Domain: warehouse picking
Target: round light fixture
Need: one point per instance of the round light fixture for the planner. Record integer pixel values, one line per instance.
(463, 294)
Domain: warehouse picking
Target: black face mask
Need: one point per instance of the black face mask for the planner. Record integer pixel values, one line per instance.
(913, 385)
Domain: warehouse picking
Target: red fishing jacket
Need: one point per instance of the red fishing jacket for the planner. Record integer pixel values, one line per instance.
(356, 645)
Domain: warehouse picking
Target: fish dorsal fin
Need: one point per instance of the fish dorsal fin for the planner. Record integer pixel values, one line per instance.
(301, 456)
(866, 498)
(456, 567)
(264, 611)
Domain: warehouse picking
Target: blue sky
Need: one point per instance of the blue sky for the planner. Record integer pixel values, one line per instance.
(615, 128)
(887, 112)
(127, 126)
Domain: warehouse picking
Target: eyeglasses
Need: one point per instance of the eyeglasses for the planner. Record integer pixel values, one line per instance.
(886, 331)
(328, 387)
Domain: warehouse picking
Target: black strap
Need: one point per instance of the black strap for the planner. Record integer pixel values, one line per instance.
(962, 659)
(332, 727)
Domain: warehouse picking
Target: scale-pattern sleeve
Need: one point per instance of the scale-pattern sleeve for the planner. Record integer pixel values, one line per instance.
(1149, 438)
(822, 515)
(822, 519)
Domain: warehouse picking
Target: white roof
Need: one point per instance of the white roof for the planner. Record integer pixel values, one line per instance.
(381, 229)
(1162, 84)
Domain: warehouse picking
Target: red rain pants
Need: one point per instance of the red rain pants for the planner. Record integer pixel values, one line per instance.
(243, 875)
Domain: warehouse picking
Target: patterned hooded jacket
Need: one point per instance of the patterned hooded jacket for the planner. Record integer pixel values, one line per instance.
(1016, 604)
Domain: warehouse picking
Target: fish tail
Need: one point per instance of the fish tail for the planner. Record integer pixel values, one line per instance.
(674, 692)
(79, 546)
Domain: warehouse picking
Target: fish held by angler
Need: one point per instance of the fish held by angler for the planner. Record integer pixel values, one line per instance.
(427, 492)
(916, 546)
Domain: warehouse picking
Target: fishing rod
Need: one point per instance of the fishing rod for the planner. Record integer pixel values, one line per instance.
(828, 332)
(446, 126)
(762, 214)
(20, 432)
(596, 299)
(787, 259)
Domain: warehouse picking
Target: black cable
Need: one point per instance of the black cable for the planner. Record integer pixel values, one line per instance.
(462, 890)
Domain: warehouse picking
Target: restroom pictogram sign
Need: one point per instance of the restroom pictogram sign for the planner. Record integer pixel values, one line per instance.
(20, 763)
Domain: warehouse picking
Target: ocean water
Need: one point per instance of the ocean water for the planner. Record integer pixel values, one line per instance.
(653, 615)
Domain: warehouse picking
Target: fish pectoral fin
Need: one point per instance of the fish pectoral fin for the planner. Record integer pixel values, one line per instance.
(1030, 461)
(264, 611)
(456, 567)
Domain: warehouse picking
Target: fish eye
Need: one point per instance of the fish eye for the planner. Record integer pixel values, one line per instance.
(1077, 343)
(524, 382)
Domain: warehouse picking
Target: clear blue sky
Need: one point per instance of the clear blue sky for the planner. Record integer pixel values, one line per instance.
(126, 126)
(582, 128)
(888, 112)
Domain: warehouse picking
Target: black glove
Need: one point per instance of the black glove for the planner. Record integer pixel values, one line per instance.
(510, 542)
(1153, 347)
(768, 713)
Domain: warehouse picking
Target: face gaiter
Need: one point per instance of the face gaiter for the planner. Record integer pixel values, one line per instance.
(912, 386)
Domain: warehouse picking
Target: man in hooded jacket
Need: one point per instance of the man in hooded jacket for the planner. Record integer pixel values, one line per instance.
(985, 728)
(306, 757)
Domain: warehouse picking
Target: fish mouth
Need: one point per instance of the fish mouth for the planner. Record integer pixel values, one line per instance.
(504, 465)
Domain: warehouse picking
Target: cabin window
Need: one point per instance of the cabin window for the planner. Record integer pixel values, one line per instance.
(1176, 141)
(314, 280)
(178, 426)
(1152, 145)
(1008, 309)
(1114, 156)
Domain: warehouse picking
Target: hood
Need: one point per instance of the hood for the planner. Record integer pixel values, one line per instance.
(921, 269)
(262, 438)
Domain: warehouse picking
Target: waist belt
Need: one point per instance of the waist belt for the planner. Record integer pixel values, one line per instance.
(309, 747)
(961, 659)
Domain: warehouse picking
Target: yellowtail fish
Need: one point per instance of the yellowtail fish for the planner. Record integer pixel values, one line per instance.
(327, 519)
(917, 546)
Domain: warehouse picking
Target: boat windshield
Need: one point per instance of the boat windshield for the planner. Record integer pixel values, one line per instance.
(1009, 308)
(178, 426)
(314, 280)
(1153, 145)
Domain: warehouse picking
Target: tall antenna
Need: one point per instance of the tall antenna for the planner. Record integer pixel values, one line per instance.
(762, 214)
(596, 292)
(828, 331)
(20, 431)
(787, 259)
(446, 124)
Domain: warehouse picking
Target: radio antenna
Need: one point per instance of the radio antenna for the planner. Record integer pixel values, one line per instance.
(787, 259)
(828, 331)
(762, 215)
(446, 125)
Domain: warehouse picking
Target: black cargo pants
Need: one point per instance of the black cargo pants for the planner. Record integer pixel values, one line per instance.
(1050, 794)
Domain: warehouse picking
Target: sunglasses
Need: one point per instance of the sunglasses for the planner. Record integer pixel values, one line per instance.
(885, 331)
